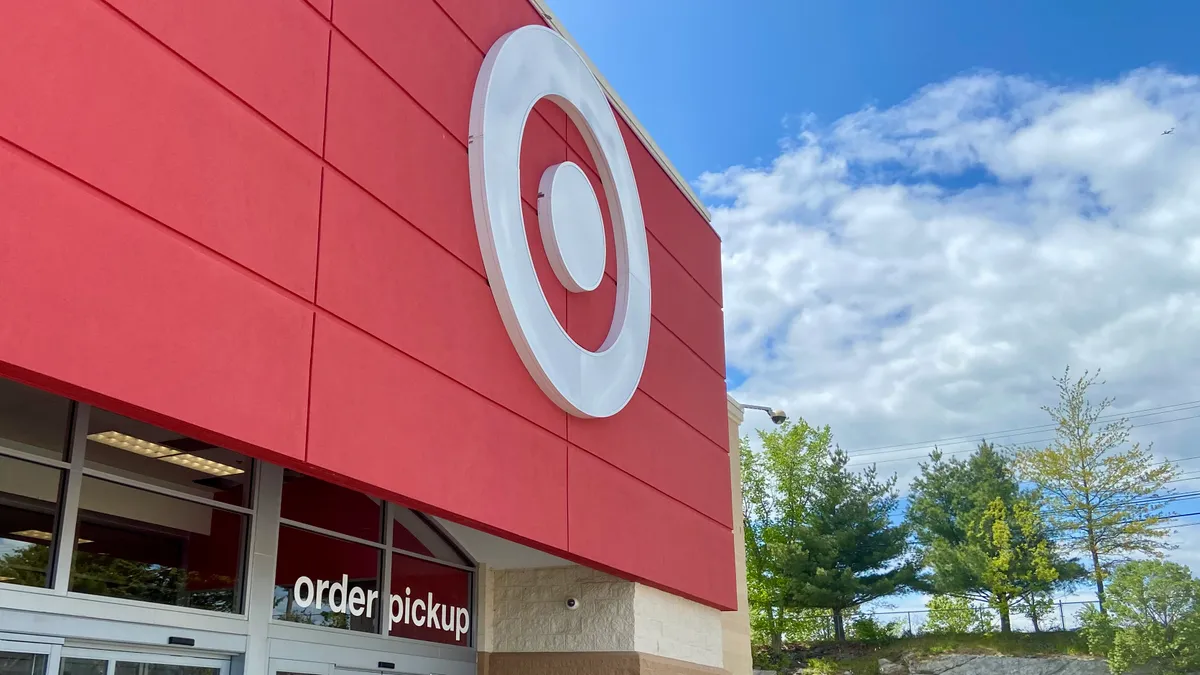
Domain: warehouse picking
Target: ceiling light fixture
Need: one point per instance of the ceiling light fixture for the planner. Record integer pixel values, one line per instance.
(204, 465)
(41, 535)
(135, 445)
(166, 453)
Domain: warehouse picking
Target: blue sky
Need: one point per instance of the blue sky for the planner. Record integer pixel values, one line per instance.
(928, 209)
(713, 82)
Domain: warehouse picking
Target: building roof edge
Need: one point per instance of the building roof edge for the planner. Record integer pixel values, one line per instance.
(655, 151)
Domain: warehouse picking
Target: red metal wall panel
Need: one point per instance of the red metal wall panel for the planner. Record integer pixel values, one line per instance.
(677, 549)
(272, 54)
(117, 306)
(306, 163)
(112, 107)
(383, 419)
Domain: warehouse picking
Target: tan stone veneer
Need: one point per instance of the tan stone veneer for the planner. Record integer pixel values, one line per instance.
(588, 663)
(735, 625)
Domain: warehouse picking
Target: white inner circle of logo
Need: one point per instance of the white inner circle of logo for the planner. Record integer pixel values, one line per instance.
(572, 227)
(523, 67)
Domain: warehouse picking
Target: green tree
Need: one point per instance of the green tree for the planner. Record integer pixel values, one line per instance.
(846, 551)
(948, 614)
(1038, 607)
(983, 538)
(1155, 607)
(776, 483)
(1105, 500)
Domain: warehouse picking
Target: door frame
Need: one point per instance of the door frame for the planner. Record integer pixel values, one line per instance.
(303, 667)
(52, 650)
(223, 665)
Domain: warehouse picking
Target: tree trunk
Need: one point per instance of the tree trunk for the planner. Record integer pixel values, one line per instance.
(776, 635)
(839, 629)
(1099, 576)
(1034, 617)
(1005, 616)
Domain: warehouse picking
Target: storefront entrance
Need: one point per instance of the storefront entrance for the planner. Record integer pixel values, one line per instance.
(24, 657)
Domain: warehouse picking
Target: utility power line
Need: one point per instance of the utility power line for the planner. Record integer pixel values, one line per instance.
(1004, 433)
(970, 450)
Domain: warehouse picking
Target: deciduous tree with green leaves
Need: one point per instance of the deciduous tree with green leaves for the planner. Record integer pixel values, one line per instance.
(950, 615)
(776, 484)
(1103, 493)
(981, 537)
(846, 551)
(1155, 609)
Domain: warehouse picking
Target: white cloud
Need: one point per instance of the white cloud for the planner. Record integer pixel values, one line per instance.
(922, 271)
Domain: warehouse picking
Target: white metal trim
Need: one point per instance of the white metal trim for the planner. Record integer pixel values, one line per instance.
(32, 458)
(166, 492)
(68, 521)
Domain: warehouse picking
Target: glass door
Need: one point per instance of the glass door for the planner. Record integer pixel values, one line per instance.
(27, 658)
(112, 662)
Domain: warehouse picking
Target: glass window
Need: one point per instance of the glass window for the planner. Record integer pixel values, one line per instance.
(315, 502)
(76, 666)
(323, 581)
(429, 601)
(19, 663)
(124, 447)
(412, 532)
(28, 516)
(147, 546)
(34, 421)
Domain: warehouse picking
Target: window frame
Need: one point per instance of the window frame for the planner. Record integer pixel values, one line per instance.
(73, 471)
(259, 515)
(387, 549)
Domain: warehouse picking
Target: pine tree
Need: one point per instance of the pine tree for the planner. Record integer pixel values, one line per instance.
(846, 551)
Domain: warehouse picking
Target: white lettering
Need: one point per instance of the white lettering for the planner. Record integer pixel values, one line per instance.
(358, 598)
(372, 596)
(462, 623)
(321, 588)
(340, 597)
(396, 612)
(340, 588)
(303, 597)
(418, 619)
(431, 617)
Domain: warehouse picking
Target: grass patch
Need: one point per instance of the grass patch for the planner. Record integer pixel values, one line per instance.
(863, 659)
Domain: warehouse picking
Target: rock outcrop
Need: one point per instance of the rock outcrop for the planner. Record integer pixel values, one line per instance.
(964, 664)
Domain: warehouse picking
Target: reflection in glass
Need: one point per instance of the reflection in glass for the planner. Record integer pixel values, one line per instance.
(130, 668)
(412, 532)
(338, 581)
(145, 546)
(17, 663)
(330, 507)
(28, 511)
(77, 666)
(33, 421)
(125, 447)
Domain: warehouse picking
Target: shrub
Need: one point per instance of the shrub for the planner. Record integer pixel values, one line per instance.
(868, 629)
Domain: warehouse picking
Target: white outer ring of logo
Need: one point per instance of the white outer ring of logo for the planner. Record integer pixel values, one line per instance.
(523, 67)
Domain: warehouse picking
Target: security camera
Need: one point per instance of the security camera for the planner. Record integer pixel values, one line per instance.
(572, 603)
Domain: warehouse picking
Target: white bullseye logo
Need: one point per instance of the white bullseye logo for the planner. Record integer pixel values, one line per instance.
(523, 67)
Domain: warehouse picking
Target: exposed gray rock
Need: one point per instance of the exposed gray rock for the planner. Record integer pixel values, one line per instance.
(962, 664)
(763, 672)
(888, 668)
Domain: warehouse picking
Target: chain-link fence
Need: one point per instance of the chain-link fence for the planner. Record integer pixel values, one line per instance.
(866, 624)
